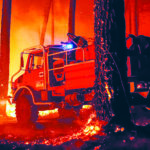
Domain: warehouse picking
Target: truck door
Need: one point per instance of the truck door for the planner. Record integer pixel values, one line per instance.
(56, 73)
(34, 75)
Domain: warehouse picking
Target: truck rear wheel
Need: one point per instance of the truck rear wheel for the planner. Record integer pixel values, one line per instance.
(25, 111)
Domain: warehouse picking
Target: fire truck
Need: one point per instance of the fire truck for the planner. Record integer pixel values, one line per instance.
(54, 76)
(138, 65)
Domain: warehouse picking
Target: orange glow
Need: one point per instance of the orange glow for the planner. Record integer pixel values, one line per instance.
(25, 33)
(143, 17)
(10, 110)
(92, 127)
(118, 129)
(53, 112)
(108, 92)
(27, 20)
(87, 106)
(132, 87)
(144, 94)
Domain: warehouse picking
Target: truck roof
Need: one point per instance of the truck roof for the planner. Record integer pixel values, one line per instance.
(40, 48)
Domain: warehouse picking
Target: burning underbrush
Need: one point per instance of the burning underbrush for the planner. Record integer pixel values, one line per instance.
(92, 127)
(85, 133)
(54, 131)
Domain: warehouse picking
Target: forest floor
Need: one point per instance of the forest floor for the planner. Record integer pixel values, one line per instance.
(66, 134)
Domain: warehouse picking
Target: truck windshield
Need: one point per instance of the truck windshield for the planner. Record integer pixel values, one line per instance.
(25, 57)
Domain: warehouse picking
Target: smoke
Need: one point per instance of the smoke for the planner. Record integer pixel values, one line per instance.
(85, 18)
(27, 19)
(26, 25)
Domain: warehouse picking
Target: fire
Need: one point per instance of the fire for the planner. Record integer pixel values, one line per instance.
(10, 110)
(92, 127)
(89, 128)
(87, 106)
(108, 92)
(54, 113)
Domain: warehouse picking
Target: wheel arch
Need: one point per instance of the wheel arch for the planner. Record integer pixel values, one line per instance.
(24, 90)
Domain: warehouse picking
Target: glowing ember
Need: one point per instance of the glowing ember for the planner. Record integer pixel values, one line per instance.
(10, 111)
(89, 128)
(108, 92)
(92, 127)
(118, 129)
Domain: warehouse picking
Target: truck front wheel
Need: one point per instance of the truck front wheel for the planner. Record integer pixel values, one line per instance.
(25, 111)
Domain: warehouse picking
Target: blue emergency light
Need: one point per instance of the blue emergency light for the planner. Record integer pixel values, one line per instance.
(67, 46)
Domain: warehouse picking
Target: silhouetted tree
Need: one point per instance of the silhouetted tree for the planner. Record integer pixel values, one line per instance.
(48, 6)
(136, 17)
(72, 16)
(5, 47)
(110, 66)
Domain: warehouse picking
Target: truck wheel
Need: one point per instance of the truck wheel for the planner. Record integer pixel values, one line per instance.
(25, 111)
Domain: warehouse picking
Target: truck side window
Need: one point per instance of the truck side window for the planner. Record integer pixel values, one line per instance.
(36, 61)
(71, 57)
(53, 59)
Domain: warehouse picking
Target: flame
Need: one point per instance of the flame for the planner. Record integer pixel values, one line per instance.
(87, 106)
(108, 92)
(52, 113)
(92, 127)
(10, 110)
(89, 128)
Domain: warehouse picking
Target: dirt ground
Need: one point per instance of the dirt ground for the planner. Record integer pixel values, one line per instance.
(66, 134)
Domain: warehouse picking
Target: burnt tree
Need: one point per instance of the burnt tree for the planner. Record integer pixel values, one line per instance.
(49, 4)
(111, 87)
(136, 9)
(5, 47)
(72, 8)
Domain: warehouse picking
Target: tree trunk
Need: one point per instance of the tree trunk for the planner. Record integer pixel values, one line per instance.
(72, 16)
(45, 22)
(111, 86)
(136, 18)
(52, 30)
(5, 47)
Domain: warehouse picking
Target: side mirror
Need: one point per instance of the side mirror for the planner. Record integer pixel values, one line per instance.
(22, 61)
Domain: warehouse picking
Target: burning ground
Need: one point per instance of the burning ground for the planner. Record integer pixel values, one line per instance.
(72, 133)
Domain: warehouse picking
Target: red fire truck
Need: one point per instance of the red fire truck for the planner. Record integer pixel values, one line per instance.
(54, 76)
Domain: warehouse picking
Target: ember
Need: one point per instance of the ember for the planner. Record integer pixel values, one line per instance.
(92, 127)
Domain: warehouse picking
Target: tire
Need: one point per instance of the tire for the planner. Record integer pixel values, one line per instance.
(26, 113)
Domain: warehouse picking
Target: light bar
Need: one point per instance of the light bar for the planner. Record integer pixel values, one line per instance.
(67, 46)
